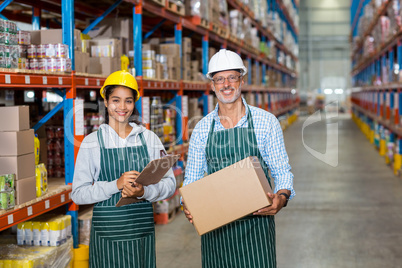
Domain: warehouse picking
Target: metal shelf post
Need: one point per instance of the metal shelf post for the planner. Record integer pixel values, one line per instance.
(205, 54)
(137, 36)
(36, 14)
(69, 139)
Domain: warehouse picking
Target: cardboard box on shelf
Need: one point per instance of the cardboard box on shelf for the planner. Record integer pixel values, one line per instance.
(95, 66)
(25, 190)
(81, 62)
(104, 65)
(170, 49)
(106, 48)
(195, 65)
(187, 74)
(186, 61)
(186, 45)
(23, 166)
(14, 118)
(214, 200)
(52, 36)
(14, 143)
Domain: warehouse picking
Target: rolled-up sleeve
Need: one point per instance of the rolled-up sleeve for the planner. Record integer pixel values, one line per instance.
(278, 160)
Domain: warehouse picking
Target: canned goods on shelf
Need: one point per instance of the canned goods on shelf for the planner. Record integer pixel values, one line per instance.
(24, 37)
(33, 64)
(53, 65)
(42, 64)
(22, 51)
(31, 51)
(1, 25)
(7, 38)
(14, 52)
(60, 50)
(40, 51)
(50, 51)
(2, 38)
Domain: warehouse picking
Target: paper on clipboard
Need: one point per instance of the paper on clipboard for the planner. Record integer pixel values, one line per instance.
(152, 174)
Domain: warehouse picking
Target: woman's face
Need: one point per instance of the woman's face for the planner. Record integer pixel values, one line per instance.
(120, 105)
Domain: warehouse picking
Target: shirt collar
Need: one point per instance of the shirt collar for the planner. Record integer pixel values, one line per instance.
(242, 120)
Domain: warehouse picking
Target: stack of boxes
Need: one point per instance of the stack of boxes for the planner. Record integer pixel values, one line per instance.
(186, 59)
(55, 36)
(17, 151)
(105, 56)
(172, 52)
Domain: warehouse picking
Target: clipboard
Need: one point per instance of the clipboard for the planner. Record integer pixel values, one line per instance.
(152, 174)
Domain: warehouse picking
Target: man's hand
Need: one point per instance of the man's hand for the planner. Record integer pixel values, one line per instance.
(278, 201)
(134, 190)
(187, 213)
(127, 178)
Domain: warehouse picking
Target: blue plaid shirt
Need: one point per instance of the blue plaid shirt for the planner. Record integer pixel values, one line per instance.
(269, 139)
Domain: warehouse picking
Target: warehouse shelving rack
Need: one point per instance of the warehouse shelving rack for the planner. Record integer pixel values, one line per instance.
(376, 98)
(279, 101)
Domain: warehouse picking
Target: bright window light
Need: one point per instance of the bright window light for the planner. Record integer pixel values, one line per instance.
(293, 91)
(339, 91)
(328, 91)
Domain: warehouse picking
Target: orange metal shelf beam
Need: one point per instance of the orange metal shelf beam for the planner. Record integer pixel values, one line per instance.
(22, 214)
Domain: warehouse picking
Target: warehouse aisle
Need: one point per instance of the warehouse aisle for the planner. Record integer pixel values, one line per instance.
(343, 216)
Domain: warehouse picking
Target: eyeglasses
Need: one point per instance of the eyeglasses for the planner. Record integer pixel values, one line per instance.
(230, 78)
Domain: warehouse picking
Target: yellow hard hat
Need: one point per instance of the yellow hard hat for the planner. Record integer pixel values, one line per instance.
(121, 78)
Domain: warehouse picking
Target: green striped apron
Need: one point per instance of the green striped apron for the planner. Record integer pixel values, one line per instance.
(122, 236)
(249, 241)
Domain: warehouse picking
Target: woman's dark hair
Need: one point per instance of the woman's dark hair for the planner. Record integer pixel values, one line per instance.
(134, 118)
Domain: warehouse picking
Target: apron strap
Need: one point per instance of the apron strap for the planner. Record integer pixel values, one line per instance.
(144, 143)
(250, 119)
(100, 138)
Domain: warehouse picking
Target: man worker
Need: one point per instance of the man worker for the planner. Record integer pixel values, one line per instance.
(230, 133)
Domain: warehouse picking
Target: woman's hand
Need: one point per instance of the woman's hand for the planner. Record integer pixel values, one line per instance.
(127, 178)
(133, 190)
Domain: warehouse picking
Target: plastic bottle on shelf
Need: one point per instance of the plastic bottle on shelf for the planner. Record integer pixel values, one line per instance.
(37, 149)
(38, 175)
(36, 230)
(20, 234)
(28, 233)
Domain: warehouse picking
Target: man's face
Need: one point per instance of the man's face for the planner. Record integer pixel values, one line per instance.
(227, 86)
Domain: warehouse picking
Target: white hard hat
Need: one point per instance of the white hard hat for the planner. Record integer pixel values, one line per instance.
(225, 60)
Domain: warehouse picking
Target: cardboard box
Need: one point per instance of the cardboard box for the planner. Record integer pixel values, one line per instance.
(17, 142)
(14, 118)
(186, 45)
(106, 48)
(110, 65)
(54, 36)
(25, 190)
(22, 166)
(186, 61)
(103, 65)
(95, 66)
(227, 195)
(170, 49)
(195, 65)
(81, 62)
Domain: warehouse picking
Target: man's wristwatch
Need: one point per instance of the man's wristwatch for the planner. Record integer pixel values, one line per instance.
(287, 198)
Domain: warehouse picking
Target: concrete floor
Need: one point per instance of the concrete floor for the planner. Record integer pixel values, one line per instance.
(343, 216)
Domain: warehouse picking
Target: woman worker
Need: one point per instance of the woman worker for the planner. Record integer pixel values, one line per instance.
(108, 162)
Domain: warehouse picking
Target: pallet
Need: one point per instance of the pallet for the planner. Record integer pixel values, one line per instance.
(197, 20)
(172, 7)
(159, 2)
